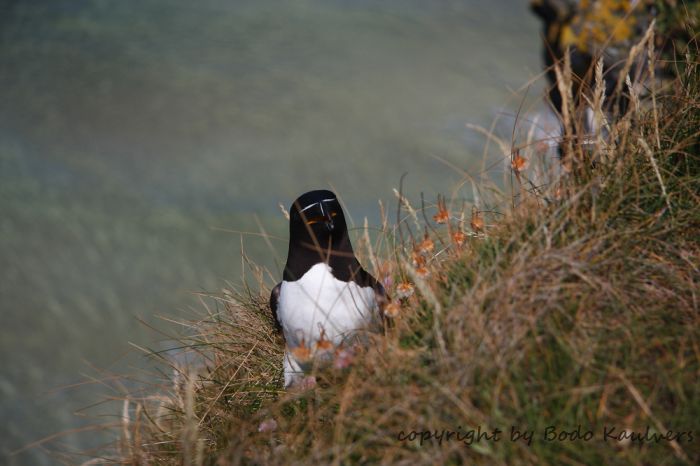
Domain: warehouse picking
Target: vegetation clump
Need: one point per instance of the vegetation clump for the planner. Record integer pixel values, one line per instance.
(564, 329)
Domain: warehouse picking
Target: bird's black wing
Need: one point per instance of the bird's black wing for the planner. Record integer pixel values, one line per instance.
(364, 278)
(274, 300)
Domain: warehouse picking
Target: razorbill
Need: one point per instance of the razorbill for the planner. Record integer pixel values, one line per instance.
(325, 298)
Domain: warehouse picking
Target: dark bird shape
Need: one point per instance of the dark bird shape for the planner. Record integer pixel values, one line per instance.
(588, 31)
(557, 17)
(325, 299)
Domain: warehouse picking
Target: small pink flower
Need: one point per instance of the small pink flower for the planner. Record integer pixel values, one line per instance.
(268, 425)
(307, 383)
(343, 358)
(387, 281)
(542, 147)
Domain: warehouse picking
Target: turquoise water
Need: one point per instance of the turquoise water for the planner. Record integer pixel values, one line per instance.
(133, 134)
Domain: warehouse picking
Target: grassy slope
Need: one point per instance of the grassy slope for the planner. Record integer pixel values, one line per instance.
(578, 308)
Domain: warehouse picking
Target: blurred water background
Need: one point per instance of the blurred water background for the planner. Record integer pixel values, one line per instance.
(133, 133)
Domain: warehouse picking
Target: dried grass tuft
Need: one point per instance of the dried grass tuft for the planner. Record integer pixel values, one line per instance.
(578, 306)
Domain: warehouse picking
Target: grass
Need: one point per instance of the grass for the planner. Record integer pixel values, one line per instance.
(574, 309)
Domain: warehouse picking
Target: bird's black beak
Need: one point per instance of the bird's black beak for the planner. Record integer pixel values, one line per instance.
(328, 218)
(330, 226)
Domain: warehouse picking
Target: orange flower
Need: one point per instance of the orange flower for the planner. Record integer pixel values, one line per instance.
(423, 272)
(518, 162)
(418, 258)
(459, 238)
(323, 344)
(477, 222)
(392, 309)
(443, 215)
(404, 290)
(302, 353)
(426, 246)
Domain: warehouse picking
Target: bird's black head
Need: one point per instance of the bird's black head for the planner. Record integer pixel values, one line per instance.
(317, 233)
(554, 13)
(316, 213)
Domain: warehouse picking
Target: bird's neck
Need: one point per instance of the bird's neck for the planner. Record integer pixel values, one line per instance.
(338, 255)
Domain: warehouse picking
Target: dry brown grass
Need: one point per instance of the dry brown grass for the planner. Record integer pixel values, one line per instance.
(577, 307)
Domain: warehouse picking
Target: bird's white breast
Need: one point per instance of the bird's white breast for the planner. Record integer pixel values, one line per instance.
(318, 301)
